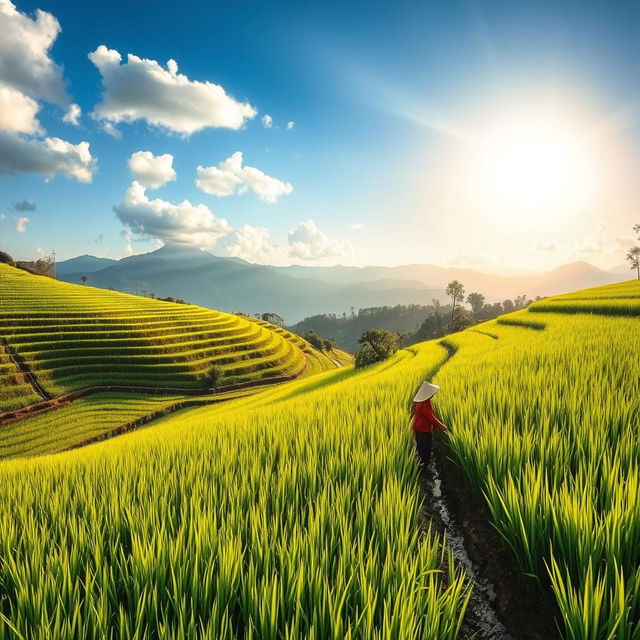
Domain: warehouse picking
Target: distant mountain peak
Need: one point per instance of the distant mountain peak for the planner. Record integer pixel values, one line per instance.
(579, 265)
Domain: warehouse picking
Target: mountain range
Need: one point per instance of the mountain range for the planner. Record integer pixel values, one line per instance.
(295, 292)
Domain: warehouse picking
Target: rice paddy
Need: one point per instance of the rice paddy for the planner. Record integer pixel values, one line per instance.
(292, 514)
(73, 337)
(296, 512)
(545, 425)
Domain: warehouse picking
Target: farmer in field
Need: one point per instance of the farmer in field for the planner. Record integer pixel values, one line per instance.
(424, 420)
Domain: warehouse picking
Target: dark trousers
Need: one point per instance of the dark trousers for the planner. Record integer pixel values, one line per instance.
(424, 443)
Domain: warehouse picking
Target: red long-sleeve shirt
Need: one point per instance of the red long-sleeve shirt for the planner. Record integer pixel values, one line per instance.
(424, 419)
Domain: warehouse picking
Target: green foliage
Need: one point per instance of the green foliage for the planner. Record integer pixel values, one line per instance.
(461, 319)
(273, 318)
(476, 300)
(320, 343)
(365, 357)
(172, 299)
(328, 344)
(346, 330)
(455, 290)
(377, 345)
(293, 514)
(216, 375)
(39, 267)
(5, 258)
(633, 256)
(543, 409)
(312, 338)
(74, 337)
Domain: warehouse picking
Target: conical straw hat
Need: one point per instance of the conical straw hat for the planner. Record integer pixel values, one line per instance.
(426, 391)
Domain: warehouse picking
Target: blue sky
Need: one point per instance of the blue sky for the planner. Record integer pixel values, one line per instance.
(387, 101)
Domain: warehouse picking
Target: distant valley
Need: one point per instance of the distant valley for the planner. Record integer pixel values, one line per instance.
(295, 292)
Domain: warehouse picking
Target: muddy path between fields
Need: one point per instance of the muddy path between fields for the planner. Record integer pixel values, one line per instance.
(505, 604)
(510, 605)
(24, 369)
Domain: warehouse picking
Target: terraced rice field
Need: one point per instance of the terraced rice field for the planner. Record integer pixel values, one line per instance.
(15, 391)
(73, 337)
(317, 361)
(91, 417)
(616, 299)
(292, 514)
(545, 424)
(296, 513)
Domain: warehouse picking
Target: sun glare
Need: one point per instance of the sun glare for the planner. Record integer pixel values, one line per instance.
(530, 170)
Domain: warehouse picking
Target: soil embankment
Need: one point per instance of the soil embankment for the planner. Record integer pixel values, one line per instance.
(527, 611)
(24, 369)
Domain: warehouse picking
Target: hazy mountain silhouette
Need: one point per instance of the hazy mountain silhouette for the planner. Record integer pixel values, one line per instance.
(569, 277)
(84, 264)
(232, 284)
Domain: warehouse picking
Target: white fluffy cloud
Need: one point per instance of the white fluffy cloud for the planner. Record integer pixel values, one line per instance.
(128, 247)
(25, 64)
(18, 112)
(267, 121)
(181, 223)
(21, 224)
(290, 125)
(251, 243)
(72, 115)
(48, 157)
(230, 177)
(307, 242)
(152, 171)
(142, 89)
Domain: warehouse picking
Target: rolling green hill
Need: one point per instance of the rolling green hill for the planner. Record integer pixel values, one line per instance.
(72, 337)
(297, 512)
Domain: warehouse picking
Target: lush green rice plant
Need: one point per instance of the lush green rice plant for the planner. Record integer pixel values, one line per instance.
(68, 335)
(544, 423)
(295, 513)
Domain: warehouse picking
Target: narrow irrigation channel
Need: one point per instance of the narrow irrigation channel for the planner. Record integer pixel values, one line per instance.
(482, 621)
(506, 604)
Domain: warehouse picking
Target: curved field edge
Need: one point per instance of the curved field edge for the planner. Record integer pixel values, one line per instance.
(544, 426)
(71, 337)
(559, 483)
(296, 516)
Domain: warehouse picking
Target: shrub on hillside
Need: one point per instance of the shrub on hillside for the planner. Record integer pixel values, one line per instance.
(365, 357)
(461, 319)
(5, 258)
(216, 375)
(377, 345)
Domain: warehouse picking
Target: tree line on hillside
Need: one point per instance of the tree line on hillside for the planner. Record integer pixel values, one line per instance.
(39, 267)
(379, 344)
(413, 323)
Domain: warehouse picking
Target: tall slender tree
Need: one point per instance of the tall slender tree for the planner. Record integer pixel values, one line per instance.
(476, 300)
(633, 256)
(455, 290)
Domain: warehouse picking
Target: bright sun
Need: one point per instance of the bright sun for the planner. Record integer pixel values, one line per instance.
(529, 170)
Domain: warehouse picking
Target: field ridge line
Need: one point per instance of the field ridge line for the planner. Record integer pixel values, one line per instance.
(24, 369)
